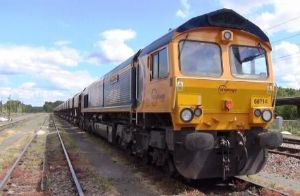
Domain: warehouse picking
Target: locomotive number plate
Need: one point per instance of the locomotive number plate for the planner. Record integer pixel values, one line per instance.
(257, 101)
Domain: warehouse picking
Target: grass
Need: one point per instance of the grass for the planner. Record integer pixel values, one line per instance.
(35, 154)
(10, 154)
(292, 126)
(67, 139)
(6, 135)
(7, 157)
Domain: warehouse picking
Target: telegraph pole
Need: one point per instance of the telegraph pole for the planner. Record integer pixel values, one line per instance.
(8, 105)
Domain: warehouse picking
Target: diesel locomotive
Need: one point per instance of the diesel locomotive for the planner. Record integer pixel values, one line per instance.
(198, 100)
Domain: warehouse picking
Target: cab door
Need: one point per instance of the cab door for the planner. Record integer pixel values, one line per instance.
(158, 88)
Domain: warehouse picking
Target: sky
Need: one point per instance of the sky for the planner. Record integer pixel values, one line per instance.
(52, 49)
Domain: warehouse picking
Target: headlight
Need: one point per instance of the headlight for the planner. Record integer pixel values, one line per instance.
(257, 112)
(198, 112)
(267, 115)
(186, 115)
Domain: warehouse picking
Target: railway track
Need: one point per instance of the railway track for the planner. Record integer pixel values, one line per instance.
(287, 149)
(19, 160)
(291, 140)
(72, 171)
(23, 183)
(10, 170)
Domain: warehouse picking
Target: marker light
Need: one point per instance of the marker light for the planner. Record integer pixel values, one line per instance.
(257, 112)
(227, 35)
(198, 112)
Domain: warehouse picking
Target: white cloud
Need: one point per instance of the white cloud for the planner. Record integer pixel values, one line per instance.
(268, 13)
(282, 12)
(184, 12)
(20, 59)
(47, 65)
(113, 47)
(27, 94)
(62, 79)
(286, 66)
(181, 14)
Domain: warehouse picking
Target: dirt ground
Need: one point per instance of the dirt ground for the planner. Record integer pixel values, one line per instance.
(18, 117)
(11, 135)
(120, 176)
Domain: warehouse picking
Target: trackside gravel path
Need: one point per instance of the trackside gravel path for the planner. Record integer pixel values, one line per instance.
(118, 177)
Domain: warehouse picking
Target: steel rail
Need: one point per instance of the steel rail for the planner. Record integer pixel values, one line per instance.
(75, 179)
(44, 159)
(288, 140)
(291, 152)
(288, 151)
(285, 153)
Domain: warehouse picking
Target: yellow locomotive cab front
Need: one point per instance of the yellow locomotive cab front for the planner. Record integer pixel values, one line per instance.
(223, 102)
(229, 84)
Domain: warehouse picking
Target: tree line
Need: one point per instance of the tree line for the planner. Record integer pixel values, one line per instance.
(288, 112)
(16, 106)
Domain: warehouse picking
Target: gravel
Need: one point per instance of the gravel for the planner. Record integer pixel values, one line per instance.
(100, 173)
(58, 175)
(281, 172)
(283, 166)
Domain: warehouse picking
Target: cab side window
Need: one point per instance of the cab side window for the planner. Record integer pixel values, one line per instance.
(155, 65)
(160, 68)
